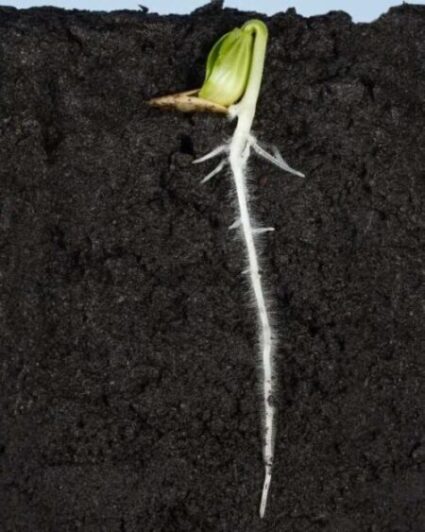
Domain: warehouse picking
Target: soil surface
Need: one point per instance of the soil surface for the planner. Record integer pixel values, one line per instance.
(128, 338)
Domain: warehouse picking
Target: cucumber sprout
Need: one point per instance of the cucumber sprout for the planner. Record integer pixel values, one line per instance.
(232, 84)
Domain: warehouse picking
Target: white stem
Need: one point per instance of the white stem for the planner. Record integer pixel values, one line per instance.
(238, 159)
(238, 153)
(238, 156)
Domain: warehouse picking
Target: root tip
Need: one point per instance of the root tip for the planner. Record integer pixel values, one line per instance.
(265, 492)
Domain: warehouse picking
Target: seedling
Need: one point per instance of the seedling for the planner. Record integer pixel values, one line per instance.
(232, 84)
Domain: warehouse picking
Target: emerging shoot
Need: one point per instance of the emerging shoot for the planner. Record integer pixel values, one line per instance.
(232, 84)
(228, 67)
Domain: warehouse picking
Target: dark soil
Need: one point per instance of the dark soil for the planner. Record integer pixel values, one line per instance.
(128, 343)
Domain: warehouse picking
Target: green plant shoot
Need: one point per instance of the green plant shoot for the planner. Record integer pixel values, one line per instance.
(232, 84)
